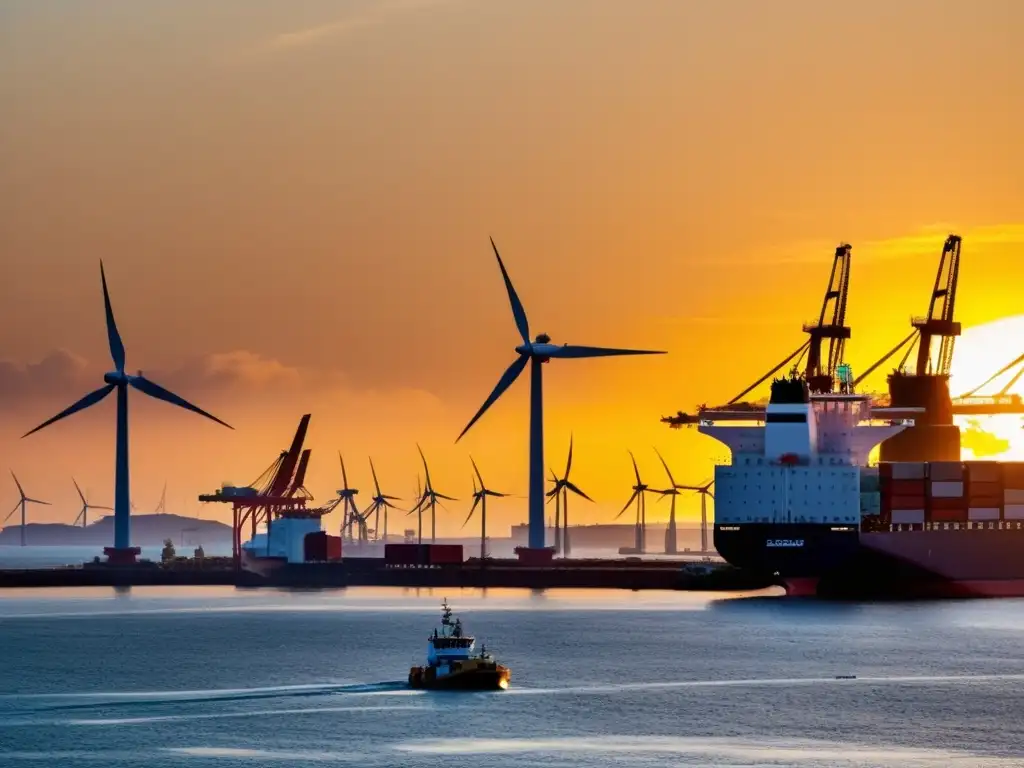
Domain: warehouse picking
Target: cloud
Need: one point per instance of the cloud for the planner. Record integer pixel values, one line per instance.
(376, 14)
(59, 372)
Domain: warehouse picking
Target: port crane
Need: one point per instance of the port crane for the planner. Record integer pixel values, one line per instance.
(278, 490)
(824, 368)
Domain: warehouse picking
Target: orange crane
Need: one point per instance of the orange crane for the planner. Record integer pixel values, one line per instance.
(821, 371)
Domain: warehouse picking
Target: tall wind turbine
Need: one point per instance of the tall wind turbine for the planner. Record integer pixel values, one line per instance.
(560, 493)
(378, 502)
(23, 502)
(418, 510)
(348, 505)
(639, 490)
(671, 540)
(122, 551)
(480, 495)
(704, 491)
(536, 352)
(161, 507)
(86, 506)
(429, 497)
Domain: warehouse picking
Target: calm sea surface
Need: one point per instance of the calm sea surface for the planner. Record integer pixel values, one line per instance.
(222, 677)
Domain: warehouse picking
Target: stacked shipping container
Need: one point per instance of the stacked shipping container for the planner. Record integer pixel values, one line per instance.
(321, 546)
(947, 502)
(984, 481)
(902, 486)
(422, 554)
(1013, 490)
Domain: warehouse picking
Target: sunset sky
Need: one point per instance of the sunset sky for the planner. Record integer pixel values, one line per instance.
(293, 203)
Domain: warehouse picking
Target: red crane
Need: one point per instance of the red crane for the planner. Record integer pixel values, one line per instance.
(820, 370)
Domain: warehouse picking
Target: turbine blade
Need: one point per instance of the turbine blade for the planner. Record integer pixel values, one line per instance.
(488, 492)
(568, 464)
(477, 470)
(469, 515)
(16, 508)
(91, 399)
(147, 387)
(442, 496)
(21, 492)
(344, 477)
(506, 380)
(110, 509)
(390, 498)
(578, 492)
(80, 494)
(376, 485)
(667, 470)
(572, 351)
(113, 337)
(426, 469)
(711, 494)
(636, 471)
(522, 324)
(38, 501)
(628, 504)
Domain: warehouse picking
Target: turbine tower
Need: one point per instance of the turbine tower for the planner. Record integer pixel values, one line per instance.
(86, 506)
(704, 491)
(639, 491)
(480, 495)
(379, 501)
(534, 353)
(671, 540)
(429, 497)
(418, 510)
(560, 493)
(23, 502)
(348, 506)
(122, 552)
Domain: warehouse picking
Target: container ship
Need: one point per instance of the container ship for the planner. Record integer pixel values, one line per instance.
(800, 501)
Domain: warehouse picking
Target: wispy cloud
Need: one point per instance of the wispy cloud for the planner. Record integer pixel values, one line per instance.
(372, 15)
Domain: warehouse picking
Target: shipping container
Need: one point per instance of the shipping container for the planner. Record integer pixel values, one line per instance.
(983, 471)
(403, 554)
(945, 471)
(903, 470)
(945, 489)
(904, 487)
(1013, 474)
(984, 501)
(1013, 496)
(947, 515)
(903, 502)
(983, 513)
(940, 502)
(334, 547)
(444, 554)
(907, 516)
(983, 489)
(1013, 512)
(314, 547)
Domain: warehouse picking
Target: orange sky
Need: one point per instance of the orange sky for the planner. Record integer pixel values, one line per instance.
(293, 201)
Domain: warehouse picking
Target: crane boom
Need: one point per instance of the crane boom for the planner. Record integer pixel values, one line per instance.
(831, 325)
(940, 320)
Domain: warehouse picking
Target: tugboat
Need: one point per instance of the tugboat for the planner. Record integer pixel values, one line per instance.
(452, 665)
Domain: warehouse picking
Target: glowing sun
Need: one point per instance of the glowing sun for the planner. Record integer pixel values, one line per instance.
(980, 352)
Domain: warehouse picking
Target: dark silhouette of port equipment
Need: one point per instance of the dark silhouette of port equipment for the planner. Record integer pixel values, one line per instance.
(161, 506)
(353, 518)
(380, 501)
(83, 515)
(122, 552)
(640, 491)
(277, 492)
(535, 353)
(560, 494)
(429, 499)
(480, 495)
(23, 502)
(821, 367)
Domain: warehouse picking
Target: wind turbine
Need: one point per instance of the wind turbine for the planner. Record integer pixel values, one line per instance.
(429, 496)
(480, 498)
(671, 541)
(122, 551)
(704, 491)
(23, 502)
(348, 505)
(161, 507)
(560, 493)
(539, 351)
(379, 501)
(418, 509)
(639, 490)
(86, 506)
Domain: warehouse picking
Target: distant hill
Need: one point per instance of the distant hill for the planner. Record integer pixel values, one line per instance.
(147, 531)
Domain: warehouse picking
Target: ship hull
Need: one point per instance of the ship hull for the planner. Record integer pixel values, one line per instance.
(910, 564)
(493, 678)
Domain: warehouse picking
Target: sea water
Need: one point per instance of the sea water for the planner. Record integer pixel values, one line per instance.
(225, 677)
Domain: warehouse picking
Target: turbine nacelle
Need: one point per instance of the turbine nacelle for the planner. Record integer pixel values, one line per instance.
(116, 378)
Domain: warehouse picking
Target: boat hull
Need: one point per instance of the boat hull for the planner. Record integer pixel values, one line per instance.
(966, 562)
(480, 678)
